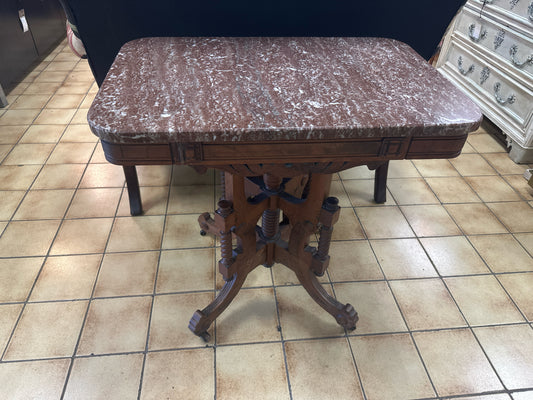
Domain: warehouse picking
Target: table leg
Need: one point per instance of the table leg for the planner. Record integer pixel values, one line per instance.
(238, 216)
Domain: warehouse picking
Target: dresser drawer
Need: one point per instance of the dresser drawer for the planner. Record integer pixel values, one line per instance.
(494, 91)
(518, 10)
(514, 49)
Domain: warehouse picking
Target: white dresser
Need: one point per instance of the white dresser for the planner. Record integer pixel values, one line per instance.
(489, 54)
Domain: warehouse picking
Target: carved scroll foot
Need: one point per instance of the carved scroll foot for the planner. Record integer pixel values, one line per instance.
(202, 320)
(347, 317)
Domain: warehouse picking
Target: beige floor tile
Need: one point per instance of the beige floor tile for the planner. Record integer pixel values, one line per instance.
(65, 56)
(314, 365)
(71, 153)
(28, 238)
(509, 348)
(259, 277)
(454, 255)
(361, 172)
(35, 379)
(430, 220)
(452, 190)
(526, 239)
(44, 204)
(115, 326)
(81, 114)
(183, 231)
(154, 175)
(183, 175)
(60, 176)
(19, 89)
(504, 165)
(482, 300)
(402, 169)
(337, 190)
(65, 101)
(74, 88)
(10, 200)
(403, 258)
(82, 236)
(93, 203)
(390, 367)
(41, 334)
(186, 270)
(50, 76)
(361, 193)
(18, 117)
(427, 304)
(251, 317)
(456, 363)
(55, 116)
(136, 233)
(527, 395)
(520, 185)
(516, 216)
(283, 276)
(301, 317)
(169, 327)
(166, 378)
(28, 101)
(43, 134)
(88, 100)
(9, 314)
(154, 201)
(502, 253)
(17, 177)
(472, 165)
(519, 288)
(252, 371)
(353, 261)
(435, 168)
(60, 66)
(103, 175)
(347, 227)
(375, 305)
(4, 151)
(66, 278)
(485, 143)
(98, 156)
(17, 276)
(191, 199)
(79, 133)
(384, 222)
(28, 154)
(411, 191)
(492, 188)
(475, 219)
(111, 377)
(11, 134)
(127, 274)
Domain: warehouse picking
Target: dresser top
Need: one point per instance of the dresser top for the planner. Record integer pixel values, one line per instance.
(162, 90)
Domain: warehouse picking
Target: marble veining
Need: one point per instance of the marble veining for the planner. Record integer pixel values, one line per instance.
(262, 89)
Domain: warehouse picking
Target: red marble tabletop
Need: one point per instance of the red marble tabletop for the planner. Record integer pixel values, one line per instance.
(162, 90)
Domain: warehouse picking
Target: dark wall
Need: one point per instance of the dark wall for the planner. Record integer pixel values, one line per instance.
(106, 25)
(19, 49)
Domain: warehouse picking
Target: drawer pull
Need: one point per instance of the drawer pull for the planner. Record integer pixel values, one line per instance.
(509, 100)
(484, 75)
(512, 51)
(461, 69)
(530, 11)
(476, 35)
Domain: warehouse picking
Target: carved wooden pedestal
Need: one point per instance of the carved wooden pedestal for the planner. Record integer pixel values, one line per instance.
(286, 242)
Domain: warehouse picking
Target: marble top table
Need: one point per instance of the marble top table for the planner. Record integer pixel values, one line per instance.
(279, 116)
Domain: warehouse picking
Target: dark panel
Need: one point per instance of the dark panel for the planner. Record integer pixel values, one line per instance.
(17, 50)
(47, 23)
(105, 25)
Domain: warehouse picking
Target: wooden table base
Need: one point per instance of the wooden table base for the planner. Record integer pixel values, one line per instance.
(285, 242)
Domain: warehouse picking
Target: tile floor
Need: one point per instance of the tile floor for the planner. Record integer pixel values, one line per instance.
(94, 304)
